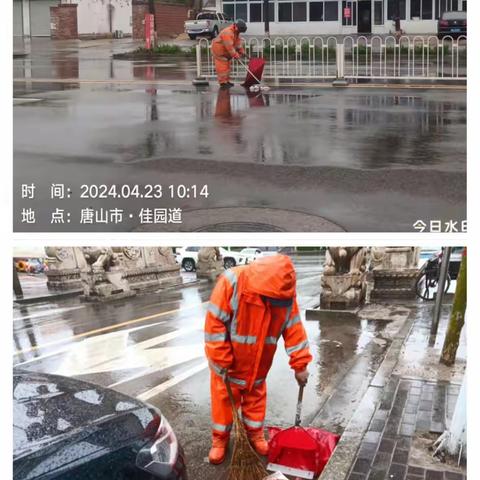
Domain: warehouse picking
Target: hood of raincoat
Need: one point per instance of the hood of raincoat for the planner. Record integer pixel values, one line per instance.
(272, 277)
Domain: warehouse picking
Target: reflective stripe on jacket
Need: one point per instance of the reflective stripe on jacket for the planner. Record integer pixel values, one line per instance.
(250, 308)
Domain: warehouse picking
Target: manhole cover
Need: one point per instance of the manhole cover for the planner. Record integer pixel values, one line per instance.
(240, 227)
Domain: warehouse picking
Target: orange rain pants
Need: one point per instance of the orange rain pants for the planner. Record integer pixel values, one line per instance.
(250, 308)
(226, 46)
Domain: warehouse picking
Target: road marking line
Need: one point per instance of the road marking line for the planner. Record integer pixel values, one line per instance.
(149, 371)
(106, 329)
(47, 313)
(172, 382)
(96, 339)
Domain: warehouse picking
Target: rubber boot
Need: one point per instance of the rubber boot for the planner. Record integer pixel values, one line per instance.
(219, 450)
(258, 441)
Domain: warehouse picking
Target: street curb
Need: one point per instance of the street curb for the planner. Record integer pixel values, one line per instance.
(340, 462)
(44, 298)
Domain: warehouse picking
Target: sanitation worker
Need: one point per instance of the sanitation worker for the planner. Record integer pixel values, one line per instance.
(226, 46)
(251, 307)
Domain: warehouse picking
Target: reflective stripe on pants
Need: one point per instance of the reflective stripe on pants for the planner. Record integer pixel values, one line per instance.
(253, 406)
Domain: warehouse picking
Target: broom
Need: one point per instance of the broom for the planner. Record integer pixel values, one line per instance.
(245, 463)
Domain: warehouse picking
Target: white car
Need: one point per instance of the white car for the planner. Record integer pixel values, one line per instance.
(207, 23)
(187, 257)
(257, 252)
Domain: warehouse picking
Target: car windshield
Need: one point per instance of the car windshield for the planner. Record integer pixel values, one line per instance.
(206, 16)
(454, 16)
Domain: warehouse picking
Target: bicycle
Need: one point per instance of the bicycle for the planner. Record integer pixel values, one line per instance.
(427, 279)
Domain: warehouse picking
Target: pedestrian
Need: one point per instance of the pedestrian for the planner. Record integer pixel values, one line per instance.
(226, 46)
(250, 307)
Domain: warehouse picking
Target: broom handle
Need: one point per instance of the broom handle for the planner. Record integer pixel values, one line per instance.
(230, 395)
(298, 414)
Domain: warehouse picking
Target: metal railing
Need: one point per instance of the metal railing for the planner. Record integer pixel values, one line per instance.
(359, 57)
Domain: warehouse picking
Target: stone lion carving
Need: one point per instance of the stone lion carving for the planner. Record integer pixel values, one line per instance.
(343, 280)
(100, 258)
(344, 260)
(166, 255)
(209, 254)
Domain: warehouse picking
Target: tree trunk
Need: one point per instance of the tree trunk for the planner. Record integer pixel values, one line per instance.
(457, 317)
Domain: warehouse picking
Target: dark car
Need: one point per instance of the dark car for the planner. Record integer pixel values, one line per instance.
(453, 24)
(69, 429)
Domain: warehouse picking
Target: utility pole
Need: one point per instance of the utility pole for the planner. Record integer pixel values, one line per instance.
(442, 280)
(266, 17)
(457, 317)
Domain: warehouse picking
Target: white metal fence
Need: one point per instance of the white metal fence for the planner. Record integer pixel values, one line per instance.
(351, 57)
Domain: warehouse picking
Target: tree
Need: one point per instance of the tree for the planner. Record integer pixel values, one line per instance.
(457, 317)
(454, 440)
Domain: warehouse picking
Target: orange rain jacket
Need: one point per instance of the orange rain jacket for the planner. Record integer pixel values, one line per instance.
(250, 308)
(228, 43)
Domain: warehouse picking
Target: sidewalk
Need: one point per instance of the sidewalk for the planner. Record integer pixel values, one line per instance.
(413, 409)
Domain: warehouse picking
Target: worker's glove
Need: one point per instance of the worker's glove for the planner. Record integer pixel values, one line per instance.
(302, 377)
(236, 56)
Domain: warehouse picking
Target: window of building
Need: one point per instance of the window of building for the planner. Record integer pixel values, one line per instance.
(236, 10)
(316, 11)
(378, 12)
(331, 11)
(299, 11)
(256, 12)
(229, 10)
(392, 11)
(421, 9)
(427, 9)
(284, 12)
(271, 11)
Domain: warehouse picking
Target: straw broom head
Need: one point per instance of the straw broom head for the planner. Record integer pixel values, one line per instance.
(245, 463)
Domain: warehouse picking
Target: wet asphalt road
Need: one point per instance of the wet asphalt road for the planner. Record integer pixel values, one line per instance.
(313, 159)
(151, 347)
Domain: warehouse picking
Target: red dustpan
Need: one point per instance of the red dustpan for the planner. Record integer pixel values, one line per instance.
(298, 451)
(254, 72)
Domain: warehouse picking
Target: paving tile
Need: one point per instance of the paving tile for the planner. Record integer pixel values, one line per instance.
(453, 476)
(377, 474)
(409, 418)
(377, 425)
(416, 471)
(372, 437)
(382, 461)
(433, 475)
(404, 443)
(386, 445)
(400, 456)
(381, 414)
(407, 430)
(397, 472)
(361, 466)
(367, 450)
(356, 476)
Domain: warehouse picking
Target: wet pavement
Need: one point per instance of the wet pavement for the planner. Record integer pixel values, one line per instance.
(151, 347)
(311, 159)
(416, 407)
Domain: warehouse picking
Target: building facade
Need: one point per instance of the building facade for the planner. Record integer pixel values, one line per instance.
(97, 18)
(340, 17)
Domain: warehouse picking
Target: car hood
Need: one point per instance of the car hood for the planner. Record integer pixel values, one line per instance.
(51, 410)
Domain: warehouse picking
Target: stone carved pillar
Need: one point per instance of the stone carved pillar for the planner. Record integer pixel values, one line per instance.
(65, 265)
(344, 278)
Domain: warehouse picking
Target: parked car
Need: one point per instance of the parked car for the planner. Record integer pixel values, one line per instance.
(257, 252)
(188, 257)
(67, 429)
(453, 24)
(208, 23)
(30, 265)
